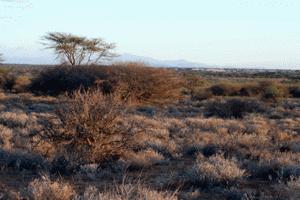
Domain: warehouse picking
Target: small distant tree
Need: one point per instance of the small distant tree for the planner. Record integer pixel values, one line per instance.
(77, 50)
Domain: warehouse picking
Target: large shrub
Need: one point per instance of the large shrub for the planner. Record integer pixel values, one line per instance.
(135, 82)
(141, 84)
(90, 128)
(232, 108)
(61, 79)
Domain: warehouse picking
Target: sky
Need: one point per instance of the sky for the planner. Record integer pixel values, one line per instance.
(244, 33)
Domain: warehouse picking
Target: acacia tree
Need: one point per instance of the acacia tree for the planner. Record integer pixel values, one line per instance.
(77, 50)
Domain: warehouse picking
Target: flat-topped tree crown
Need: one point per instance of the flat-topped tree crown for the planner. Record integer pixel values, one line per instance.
(78, 50)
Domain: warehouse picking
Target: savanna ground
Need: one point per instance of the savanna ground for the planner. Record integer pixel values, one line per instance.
(132, 132)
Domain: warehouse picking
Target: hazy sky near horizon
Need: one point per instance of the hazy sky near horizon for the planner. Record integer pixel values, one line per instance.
(231, 32)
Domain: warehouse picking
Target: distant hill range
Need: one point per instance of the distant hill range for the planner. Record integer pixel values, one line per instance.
(159, 63)
(50, 59)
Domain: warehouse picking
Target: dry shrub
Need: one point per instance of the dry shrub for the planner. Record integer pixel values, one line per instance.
(249, 90)
(233, 108)
(201, 94)
(143, 84)
(193, 83)
(139, 83)
(21, 83)
(45, 189)
(90, 128)
(272, 91)
(11, 80)
(225, 89)
(216, 169)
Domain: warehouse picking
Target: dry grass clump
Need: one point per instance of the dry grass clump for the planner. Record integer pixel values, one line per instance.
(275, 165)
(14, 119)
(217, 169)
(156, 135)
(45, 189)
(143, 159)
(127, 192)
(244, 144)
(281, 158)
(6, 136)
(90, 128)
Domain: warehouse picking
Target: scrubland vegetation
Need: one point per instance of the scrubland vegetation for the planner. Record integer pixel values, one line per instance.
(129, 131)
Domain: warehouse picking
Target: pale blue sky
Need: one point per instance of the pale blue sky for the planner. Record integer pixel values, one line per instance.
(222, 32)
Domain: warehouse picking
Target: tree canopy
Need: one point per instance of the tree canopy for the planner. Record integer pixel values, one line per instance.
(77, 50)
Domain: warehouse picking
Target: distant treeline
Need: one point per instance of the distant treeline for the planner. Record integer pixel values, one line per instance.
(246, 73)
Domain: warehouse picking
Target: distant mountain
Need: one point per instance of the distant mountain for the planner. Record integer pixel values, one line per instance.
(159, 63)
(50, 59)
